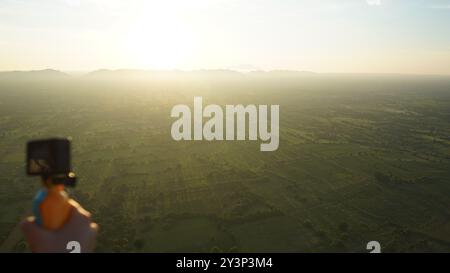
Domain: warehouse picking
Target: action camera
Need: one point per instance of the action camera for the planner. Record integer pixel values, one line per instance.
(50, 158)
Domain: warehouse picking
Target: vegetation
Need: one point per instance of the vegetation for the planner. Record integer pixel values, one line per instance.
(361, 158)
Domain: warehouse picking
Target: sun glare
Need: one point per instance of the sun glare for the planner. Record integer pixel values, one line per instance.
(160, 42)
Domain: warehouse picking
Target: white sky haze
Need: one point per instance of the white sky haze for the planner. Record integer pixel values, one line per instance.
(362, 36)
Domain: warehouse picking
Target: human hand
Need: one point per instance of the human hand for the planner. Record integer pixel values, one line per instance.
(79, 227)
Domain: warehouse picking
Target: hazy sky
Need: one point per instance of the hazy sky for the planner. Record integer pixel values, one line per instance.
(400, 36)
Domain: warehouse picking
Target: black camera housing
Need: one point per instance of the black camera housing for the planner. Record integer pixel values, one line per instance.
(50, 158)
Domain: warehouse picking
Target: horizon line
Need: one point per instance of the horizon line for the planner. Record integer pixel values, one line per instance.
(241, 71)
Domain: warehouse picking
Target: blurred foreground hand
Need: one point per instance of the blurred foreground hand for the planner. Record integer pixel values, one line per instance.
(79, 228)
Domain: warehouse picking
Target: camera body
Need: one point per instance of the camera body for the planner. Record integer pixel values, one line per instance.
(50, 158)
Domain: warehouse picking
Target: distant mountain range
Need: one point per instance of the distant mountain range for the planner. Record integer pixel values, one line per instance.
(51, 74)
(137, 74)
(223, 72)
(46, 74)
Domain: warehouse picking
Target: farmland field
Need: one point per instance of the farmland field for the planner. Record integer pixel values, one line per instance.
(361, 158)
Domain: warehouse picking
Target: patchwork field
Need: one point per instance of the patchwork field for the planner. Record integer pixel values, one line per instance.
(361, 158)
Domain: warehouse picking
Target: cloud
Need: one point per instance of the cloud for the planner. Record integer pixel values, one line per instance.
(373, 2)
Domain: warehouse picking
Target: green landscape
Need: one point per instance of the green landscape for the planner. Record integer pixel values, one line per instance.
(362, 157)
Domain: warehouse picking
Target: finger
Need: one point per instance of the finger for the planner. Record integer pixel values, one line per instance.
(94, 227)
(30, 228)
(77, 219)
(28, 225)
(92, 237)
(80, 209)
(34, 234)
